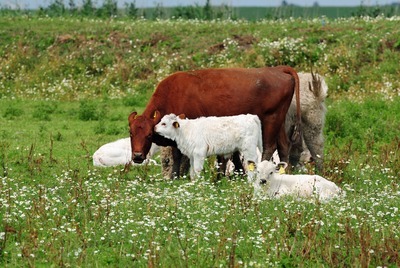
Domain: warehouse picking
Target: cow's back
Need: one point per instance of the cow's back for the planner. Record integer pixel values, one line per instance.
(223, 92)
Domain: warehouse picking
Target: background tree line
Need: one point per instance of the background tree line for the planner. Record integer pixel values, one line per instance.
(110, 9)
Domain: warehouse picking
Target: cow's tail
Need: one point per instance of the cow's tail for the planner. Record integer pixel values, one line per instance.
(296, 132)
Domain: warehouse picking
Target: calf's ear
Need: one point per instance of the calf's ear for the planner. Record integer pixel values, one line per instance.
(182, 116)
(175, 124)
(281, 167)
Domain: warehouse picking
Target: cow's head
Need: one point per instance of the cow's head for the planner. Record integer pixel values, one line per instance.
(141, 133)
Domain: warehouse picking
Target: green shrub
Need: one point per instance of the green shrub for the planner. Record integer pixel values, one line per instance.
(12, 112)
(88, 111)
(44, 110)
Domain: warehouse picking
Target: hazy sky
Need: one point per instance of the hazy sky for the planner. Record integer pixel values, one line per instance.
(29, 4)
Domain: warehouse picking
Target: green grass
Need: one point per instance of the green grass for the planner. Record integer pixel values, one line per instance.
(67, 86)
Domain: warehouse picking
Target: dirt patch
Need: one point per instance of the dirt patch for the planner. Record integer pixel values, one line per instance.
(65, 38)
(155, 39)
(244, 42)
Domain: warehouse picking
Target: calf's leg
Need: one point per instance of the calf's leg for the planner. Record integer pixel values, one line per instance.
(196, 166)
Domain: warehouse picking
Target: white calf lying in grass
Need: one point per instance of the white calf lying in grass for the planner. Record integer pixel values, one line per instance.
(205, 136)
(118, 152)
(278, 185)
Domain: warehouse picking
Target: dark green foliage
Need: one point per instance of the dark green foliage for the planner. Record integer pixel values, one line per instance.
(56, 8)
(12, 112)
(131, 10)
(44, 110)
(108, 9)
(88, 8)
(188, 12)
(88, 110)
(375, 11)
(208, 12)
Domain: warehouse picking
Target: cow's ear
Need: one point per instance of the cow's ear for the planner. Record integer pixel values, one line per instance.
(156, 116)
(182, 116)
(175, 124)
(132, 116)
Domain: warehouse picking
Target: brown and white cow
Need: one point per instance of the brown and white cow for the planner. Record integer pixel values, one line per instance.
(266, 92)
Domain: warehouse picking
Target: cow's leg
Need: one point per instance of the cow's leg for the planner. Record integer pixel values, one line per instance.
(222, 163)
(176, 157)
(166, 162)
(294, 154)
(283, 145)
(269, 139)
(237, 161)
(185, 165)
(269, 148)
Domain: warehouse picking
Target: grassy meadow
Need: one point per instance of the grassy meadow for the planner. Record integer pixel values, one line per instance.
(67, 86)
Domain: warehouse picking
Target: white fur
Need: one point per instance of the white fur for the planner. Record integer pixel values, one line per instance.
(205, 136)
(119, 152)
(278, 185)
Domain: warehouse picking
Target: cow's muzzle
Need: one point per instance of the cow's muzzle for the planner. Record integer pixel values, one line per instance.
(137, 158)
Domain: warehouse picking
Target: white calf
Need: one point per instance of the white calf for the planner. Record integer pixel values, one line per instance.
(118, 152)
(205, 136)
(278, 185)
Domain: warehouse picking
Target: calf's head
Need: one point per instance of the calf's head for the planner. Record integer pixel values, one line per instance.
(169, 125)
(267, 169)
(141, 133)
